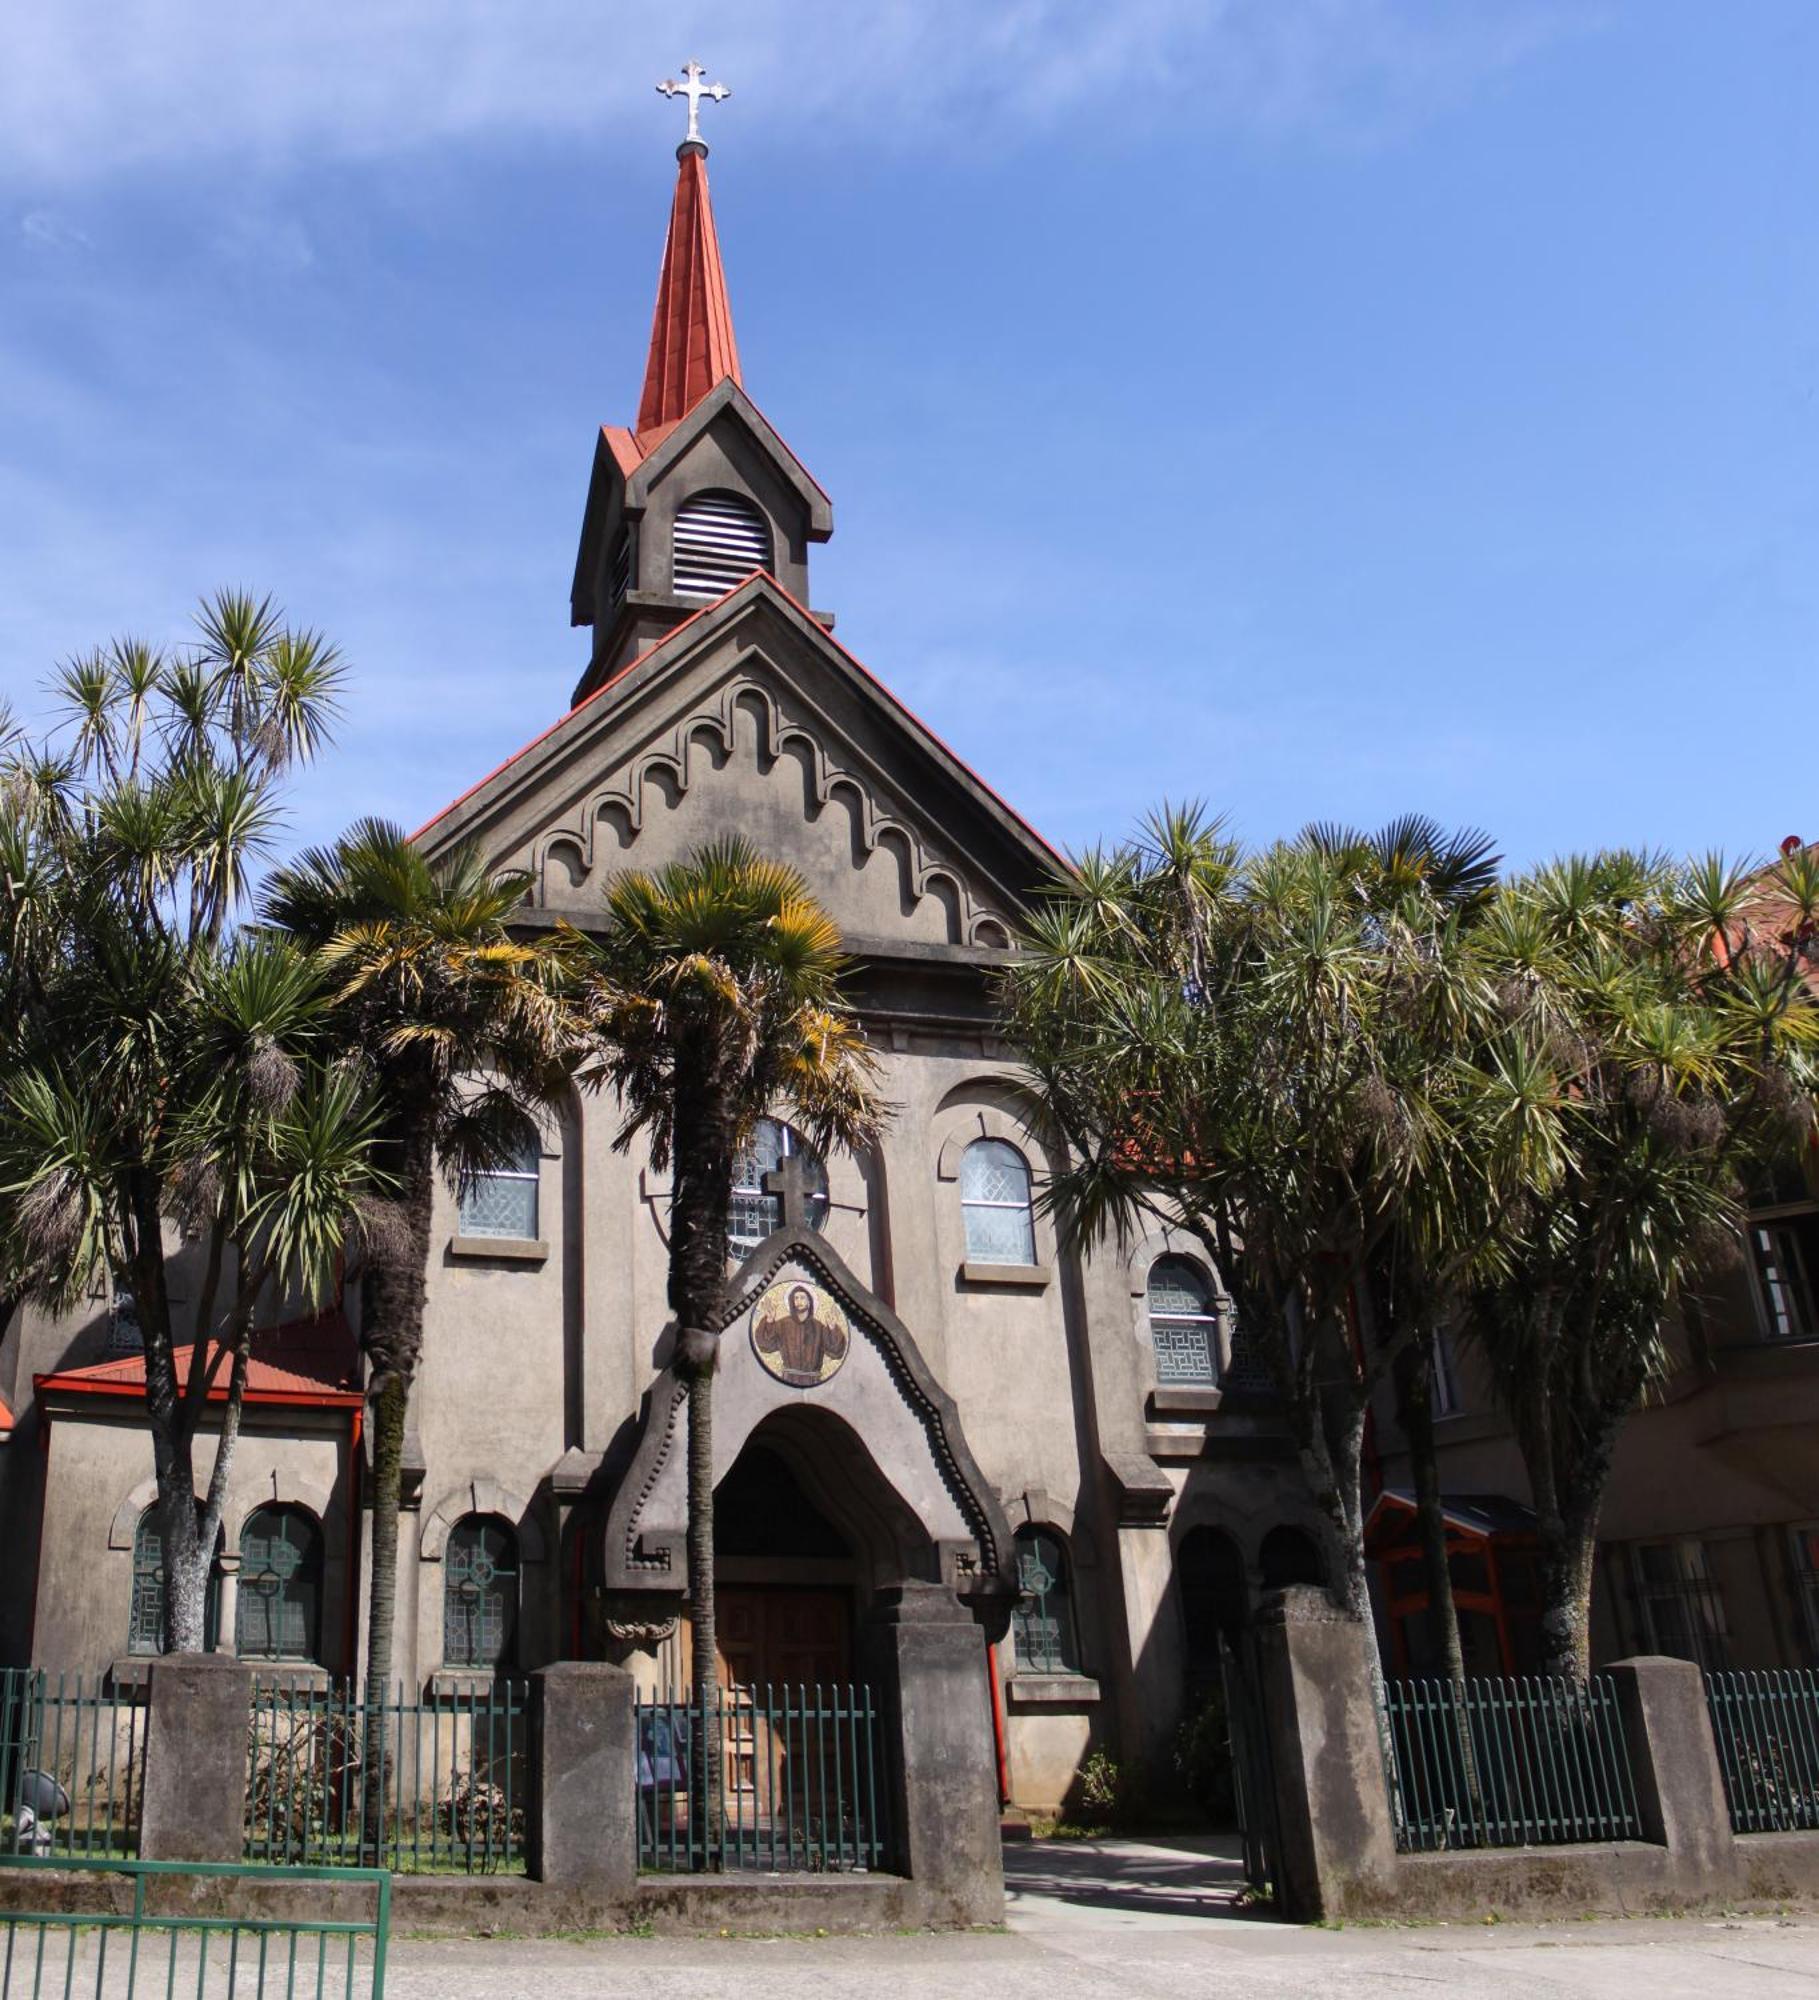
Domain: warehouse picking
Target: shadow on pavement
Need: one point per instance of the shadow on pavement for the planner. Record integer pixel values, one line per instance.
(1162, 1876)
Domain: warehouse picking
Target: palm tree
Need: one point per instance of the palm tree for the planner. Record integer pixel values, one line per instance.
(1245, 1048)
(712, 996)
(157, 1075)
(1415, 856)
(460, 1028)
(1660, 1020)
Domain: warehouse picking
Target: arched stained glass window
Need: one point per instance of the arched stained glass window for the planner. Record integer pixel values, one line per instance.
(505, 1202)
(995, 1204)
(755, 1213)
(1184, 1322)
(1042, 1625)
(480, 1593)
(145, 1629)
(278, 1600)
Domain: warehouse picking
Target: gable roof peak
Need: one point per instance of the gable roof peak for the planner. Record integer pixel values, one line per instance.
(692, 344)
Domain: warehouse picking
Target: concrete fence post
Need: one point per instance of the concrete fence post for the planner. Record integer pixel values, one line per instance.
(1335, 1828)
(1674, 1763)
(583, 1825)
(928, 1654)
(198, 1719)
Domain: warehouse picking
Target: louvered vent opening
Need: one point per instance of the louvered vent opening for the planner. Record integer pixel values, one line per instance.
(621, 579)
(719, 539)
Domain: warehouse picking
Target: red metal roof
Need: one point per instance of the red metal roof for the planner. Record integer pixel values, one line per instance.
(6, 1419)
(308, 1361)
(692, 344)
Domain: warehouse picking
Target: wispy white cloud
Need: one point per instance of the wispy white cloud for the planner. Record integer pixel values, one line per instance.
(45, 229)
(89, 87)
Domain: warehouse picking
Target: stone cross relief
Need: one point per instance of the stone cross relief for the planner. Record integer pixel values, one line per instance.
(694, 90)
(788, 1181)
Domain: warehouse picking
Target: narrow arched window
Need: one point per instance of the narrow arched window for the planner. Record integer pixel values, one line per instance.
(278, 1601)
(479, 1593)
(145, 1627)
(995, 1204)
(1184, 1322)
(720, 538)
(1042, 1625)
(755, 1211)
(504, 1201)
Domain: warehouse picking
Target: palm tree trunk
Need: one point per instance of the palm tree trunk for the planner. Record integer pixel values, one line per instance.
(702, 1193)
(392, 1333)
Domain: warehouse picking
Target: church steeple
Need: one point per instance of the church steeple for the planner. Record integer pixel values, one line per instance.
(701, 492)
(692, 344)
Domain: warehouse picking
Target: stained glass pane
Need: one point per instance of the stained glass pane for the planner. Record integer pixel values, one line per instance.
(990, 1170)
(145, 1618)
(280, 1585)
(755, 1214)
(999, 1235)
(501, 1205)
(1184, 1351)
(480, 1593)
(1042, 1624)
(1177, 1288)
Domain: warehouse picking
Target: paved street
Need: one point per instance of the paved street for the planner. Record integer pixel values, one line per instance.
(1133, 1921)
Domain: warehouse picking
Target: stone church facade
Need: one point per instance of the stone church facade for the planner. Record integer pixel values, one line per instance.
(1003, 1419)
(919, 1386)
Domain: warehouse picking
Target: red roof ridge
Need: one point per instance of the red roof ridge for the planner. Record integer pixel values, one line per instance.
(692, 343)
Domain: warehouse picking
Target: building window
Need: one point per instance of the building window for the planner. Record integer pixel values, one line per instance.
(1803, 1550)
(720, 539)
(1184, 1322)
(145, 1630)
(479, 1593)
(124, 1333)
(1678, 1603)
(1784, 1250)
(278, 1603)
(995, 1204)
(504, 1202)
(755, 1212)
(1042, 1625)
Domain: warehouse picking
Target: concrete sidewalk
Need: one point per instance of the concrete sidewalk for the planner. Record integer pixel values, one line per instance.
(1143, 1920)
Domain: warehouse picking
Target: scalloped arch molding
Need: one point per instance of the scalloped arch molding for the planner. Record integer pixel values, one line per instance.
(566, 859)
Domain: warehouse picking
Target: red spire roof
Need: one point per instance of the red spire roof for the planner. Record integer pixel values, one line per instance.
(692, 345)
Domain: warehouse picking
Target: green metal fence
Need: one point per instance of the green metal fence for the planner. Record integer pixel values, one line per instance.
(1766, 1727)
(455, 1774)
(72, 1764)
(1510, 1762)
(803, 1785)
(139, 1931)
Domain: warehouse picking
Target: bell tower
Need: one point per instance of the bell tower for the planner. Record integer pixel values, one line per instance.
(701, 491)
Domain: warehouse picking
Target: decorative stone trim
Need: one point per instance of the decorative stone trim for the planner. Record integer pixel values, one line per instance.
(1051, 1690)
(1007, 1277)
(480, 1496)
(499, 1249)
(1144, 1494)
(1196, 1399)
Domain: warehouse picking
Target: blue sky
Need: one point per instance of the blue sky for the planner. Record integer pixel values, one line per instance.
(1327, 408)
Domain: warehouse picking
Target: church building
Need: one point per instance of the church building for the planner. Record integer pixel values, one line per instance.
(918, 1385)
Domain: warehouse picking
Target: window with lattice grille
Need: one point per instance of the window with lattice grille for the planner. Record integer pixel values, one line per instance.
(505, 1201)
(479, 1593)
(995, 1204)
(755, 1213)
(1184, 1322)
(145, 1628)
(278, 1598)
(719, 540)
(1042, 1624)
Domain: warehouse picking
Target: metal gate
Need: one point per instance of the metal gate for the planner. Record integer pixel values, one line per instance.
(138, 1931)
(1253, 1773)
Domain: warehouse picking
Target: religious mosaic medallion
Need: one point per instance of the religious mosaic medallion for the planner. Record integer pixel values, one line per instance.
(799, 1333)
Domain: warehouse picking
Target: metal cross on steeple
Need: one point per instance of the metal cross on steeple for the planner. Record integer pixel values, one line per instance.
(694, 90)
